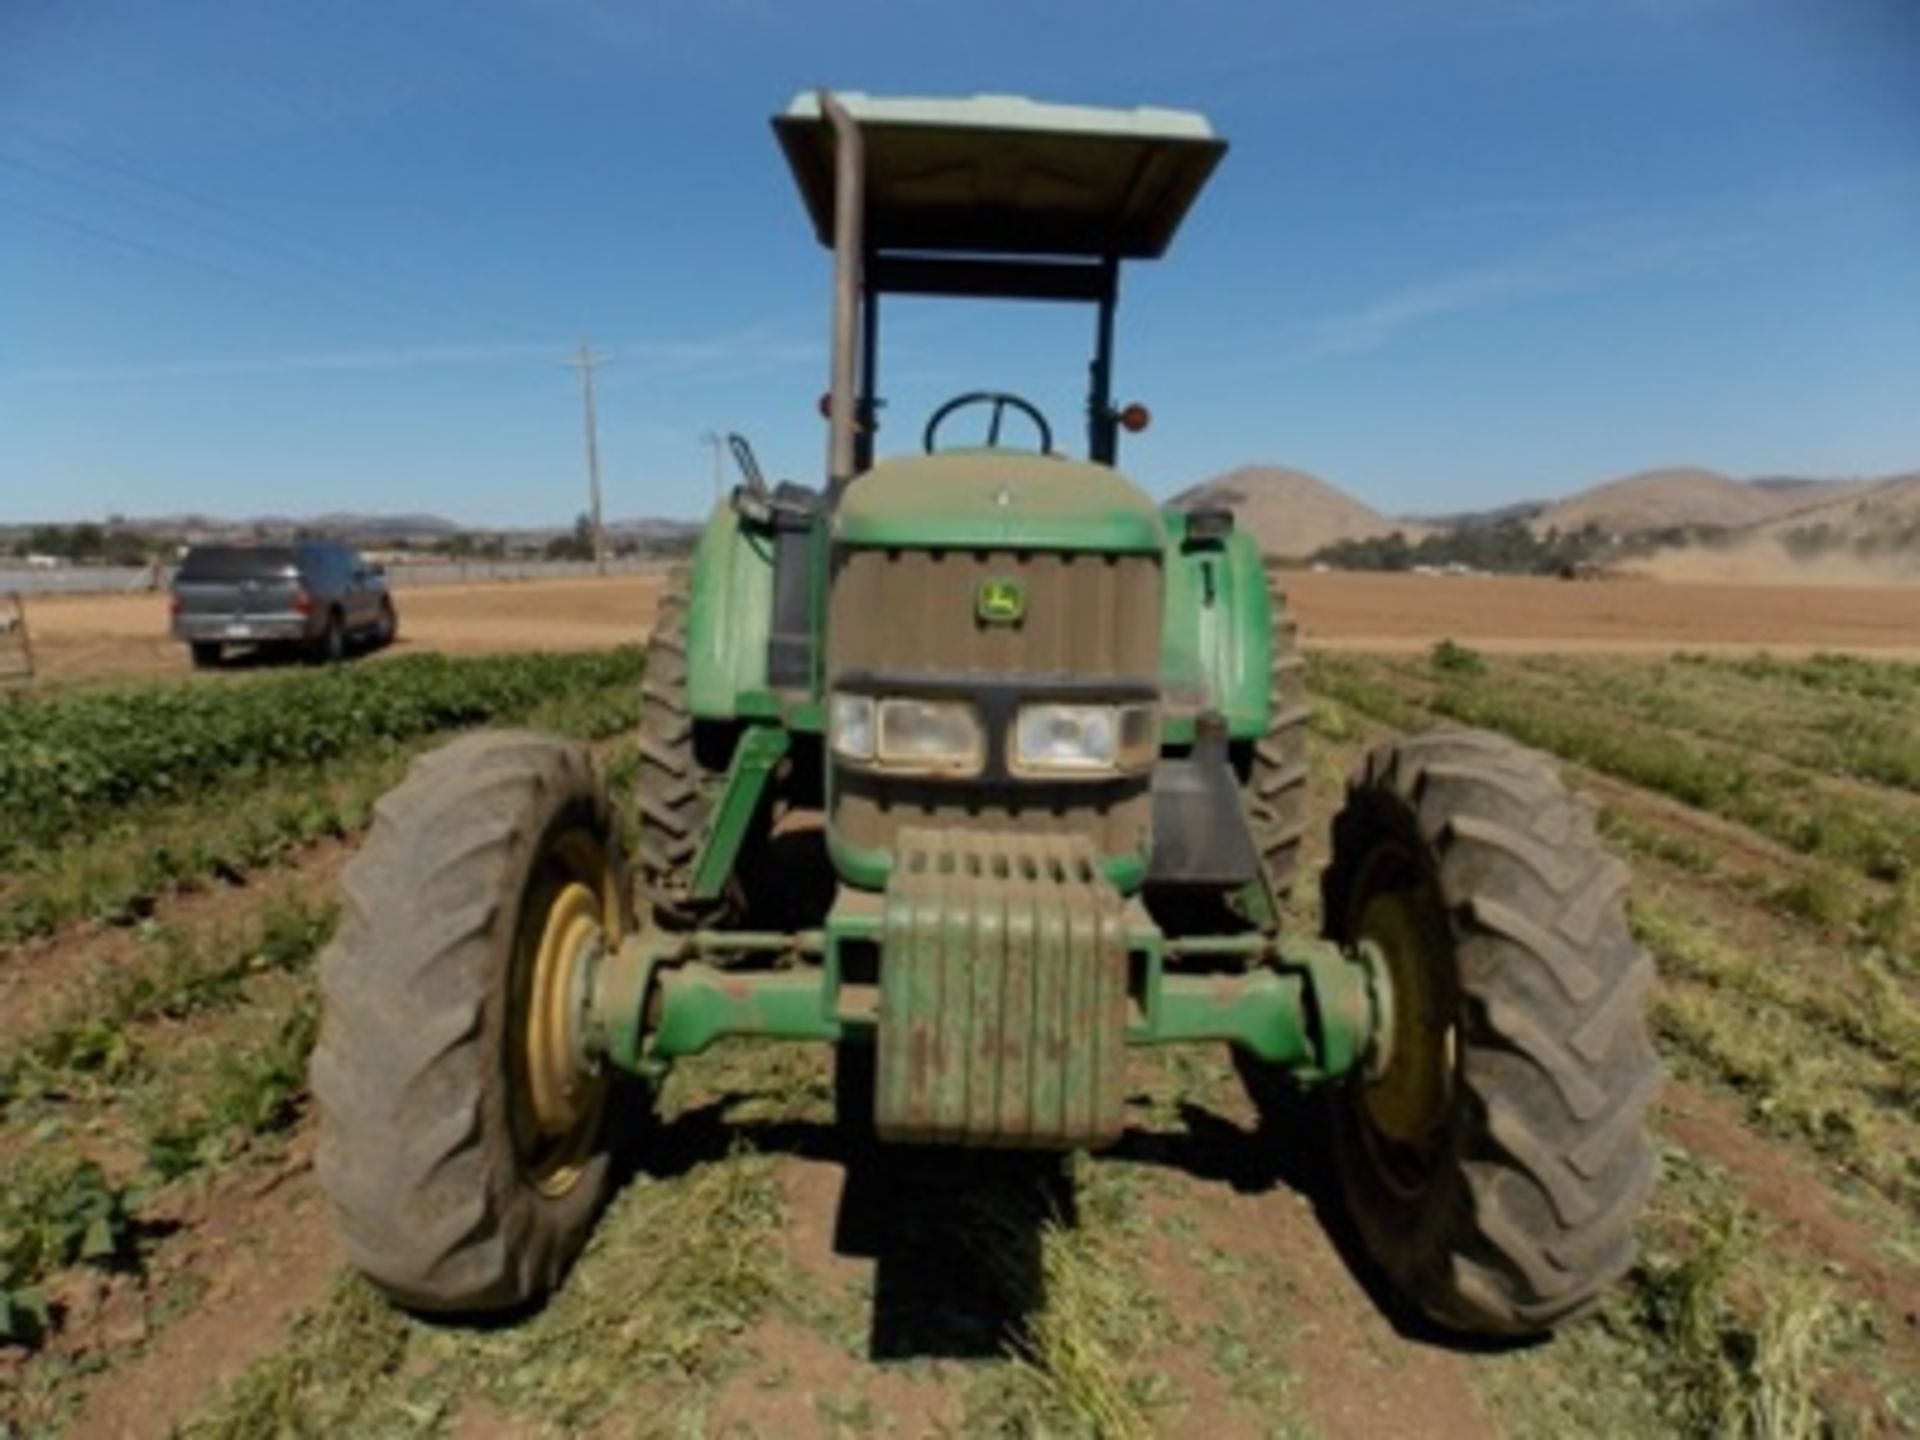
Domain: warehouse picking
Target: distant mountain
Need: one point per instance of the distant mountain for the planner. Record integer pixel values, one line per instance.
(347, 523)
(1291, 513)
(653, 528)
(335, 522)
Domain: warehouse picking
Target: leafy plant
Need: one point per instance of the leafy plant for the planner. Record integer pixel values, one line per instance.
(53, 1215)
(1452, 659)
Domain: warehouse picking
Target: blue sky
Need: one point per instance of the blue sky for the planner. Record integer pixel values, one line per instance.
(296, 257)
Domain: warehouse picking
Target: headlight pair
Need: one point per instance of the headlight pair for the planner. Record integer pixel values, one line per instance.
(945, 737)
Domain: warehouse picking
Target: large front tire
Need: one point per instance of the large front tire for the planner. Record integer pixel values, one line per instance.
(462, 1140)
(1495, 1165)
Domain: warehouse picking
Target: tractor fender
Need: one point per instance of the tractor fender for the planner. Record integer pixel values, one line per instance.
(1216, 632)
(729, 614)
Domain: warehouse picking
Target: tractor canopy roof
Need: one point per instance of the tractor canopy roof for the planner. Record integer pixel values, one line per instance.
(1002, 175)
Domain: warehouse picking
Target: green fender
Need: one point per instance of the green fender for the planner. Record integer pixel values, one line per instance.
(729, 615)
(1216, 632)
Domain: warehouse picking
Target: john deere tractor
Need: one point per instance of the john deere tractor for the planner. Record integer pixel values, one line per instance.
(1046, 740)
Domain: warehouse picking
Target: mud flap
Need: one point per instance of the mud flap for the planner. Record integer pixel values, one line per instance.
(1003, 993)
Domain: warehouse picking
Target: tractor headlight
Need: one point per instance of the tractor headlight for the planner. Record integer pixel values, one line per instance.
(930, 735)
(850, 723)
(927, 737)
(1083, 739)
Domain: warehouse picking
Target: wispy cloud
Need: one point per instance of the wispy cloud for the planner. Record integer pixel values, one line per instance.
(1591, 258)
(715, 356)
(242, 366)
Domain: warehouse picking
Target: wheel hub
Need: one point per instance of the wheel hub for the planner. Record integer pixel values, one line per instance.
(1407, 1098)
(565, 1089)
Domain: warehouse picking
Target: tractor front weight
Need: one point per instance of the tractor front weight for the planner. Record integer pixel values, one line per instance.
(1311, 1008)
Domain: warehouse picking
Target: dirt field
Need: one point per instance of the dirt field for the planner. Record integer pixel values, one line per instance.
(90, 637)
(86, 637)
(764, 1272)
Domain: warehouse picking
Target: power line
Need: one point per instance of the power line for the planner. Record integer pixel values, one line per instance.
(386, 312)
(321, 257)
(138, 247)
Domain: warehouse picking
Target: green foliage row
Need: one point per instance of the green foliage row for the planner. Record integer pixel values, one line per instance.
(1839, 715)
(175, 976)
(116, 876)
(1845, 674)
(1882, 844)
(73, 762)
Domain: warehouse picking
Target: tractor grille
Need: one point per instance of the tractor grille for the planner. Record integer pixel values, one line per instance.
(1087, 615)
(904, 612)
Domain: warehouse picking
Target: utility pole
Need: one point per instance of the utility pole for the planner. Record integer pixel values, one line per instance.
(586, 362)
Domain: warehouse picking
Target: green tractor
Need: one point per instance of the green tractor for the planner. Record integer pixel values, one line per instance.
(1047, 742)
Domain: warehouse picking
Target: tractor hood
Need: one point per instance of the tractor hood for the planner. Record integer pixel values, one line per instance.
(997, 500)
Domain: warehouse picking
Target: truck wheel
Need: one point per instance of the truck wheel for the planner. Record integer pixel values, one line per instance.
(678, 777)
(463, 1143)
(387, 628)
(1495, 1163)
(1277, 779)
(206, 654)
(331, 647)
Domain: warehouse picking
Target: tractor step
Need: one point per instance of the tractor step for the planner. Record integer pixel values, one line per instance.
(1003, 994)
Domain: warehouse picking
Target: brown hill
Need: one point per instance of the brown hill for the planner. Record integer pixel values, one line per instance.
(1867, 534)
(1290, 512)
(1661, 499)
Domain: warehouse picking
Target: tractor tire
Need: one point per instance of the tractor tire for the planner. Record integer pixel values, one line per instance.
(679, 777)
(1277, 778)
(464, 1148)
(1494, 1164)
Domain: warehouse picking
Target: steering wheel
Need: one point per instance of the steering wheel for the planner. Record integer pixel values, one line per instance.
(1000, 400)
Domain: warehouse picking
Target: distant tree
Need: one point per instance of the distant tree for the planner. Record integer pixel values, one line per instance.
(575, 546)
(1507, 548)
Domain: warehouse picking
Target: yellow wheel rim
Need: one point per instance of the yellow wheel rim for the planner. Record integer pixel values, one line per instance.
(1406, 1106)
(562, 1096)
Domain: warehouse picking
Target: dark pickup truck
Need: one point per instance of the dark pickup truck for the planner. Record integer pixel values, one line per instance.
(316, 597)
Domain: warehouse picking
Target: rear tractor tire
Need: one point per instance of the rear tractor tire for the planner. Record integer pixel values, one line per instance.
(1495, 1159)
(680, 776)
(1277, 779)
(463, 1140)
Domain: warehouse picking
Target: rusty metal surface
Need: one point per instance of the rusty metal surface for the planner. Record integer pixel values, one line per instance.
(1003, 1005)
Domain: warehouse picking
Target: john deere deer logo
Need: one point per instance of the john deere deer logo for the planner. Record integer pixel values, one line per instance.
(1001, 602)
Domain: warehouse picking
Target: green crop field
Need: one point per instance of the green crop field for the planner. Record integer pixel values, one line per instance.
(168, 858)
